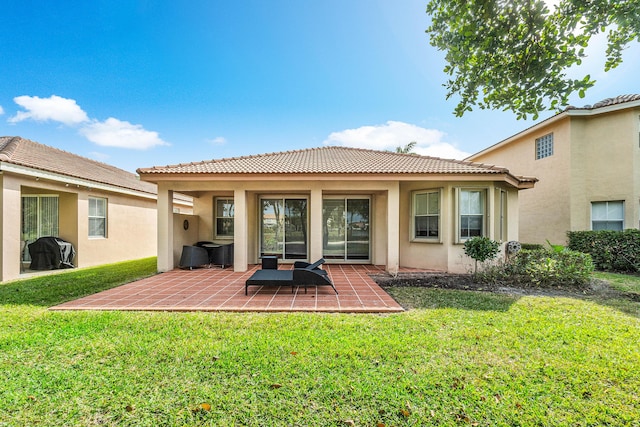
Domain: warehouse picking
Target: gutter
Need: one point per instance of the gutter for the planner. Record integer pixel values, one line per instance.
(72, 181)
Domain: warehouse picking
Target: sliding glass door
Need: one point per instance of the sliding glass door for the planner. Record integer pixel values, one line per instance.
(39, 217)
(283, 228)
(345, 229)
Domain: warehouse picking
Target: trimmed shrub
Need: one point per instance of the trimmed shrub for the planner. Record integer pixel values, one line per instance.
(610, 250)
(481, 249)
(543, 268)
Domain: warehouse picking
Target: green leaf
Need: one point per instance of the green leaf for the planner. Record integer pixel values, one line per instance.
(498, 53)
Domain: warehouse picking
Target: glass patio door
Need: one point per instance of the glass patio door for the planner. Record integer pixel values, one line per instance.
(39, 218)
(345, 229)
(283, 228)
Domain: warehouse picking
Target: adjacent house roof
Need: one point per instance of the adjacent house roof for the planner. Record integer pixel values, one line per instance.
(34, 156)
(328, 160)
(620, 99)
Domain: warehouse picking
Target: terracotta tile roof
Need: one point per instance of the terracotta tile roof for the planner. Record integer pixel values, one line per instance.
(620, 99)
(328, 160)
(23, 152)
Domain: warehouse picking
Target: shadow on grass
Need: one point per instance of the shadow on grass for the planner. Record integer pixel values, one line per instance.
(621, 303)
(55, 289)
(429, 298)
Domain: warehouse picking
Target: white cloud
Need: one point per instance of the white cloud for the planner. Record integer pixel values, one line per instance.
(54, 108)
(110, 133)
(395, 134)
(1, 110)
(218, 140)
(116, 133)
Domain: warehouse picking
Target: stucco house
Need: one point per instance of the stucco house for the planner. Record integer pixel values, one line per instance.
(344, 204)
(587, 161)
(108, 214)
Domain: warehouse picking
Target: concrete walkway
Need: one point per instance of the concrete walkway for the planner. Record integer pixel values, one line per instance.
(216, 289)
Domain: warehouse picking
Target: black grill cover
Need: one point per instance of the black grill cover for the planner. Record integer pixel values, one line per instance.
(50, 253)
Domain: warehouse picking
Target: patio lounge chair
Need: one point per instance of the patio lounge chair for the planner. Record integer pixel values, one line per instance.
(315, 266)
(297, 277)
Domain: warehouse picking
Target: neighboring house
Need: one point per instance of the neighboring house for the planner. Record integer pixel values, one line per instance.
(108, 214)
(344, 204)
(587, 161)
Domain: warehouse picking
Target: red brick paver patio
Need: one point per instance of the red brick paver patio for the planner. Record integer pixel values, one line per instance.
(215, 289)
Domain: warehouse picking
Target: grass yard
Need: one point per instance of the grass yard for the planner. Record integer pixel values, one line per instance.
(622, 282)
(456, 358)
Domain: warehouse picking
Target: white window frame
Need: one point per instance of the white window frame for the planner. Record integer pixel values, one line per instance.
(217, 215)
(544, 146)
(414, 215)
(485, 209)
(606, 202)
(97, 215)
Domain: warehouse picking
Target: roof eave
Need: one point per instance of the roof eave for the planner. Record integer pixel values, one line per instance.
(502, 175)
(531, 129)
(603, 110)
(70, 180)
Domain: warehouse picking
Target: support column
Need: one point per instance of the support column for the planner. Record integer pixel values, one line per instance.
(513, 226)
(315, 226)
(393, 228)
(240, 231)
(165, 229)
(10, 205)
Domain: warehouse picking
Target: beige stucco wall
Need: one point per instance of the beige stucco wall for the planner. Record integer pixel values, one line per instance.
(447, 254)
(596, 158)
(131, 223)
(544, 209)
(391, 244)
(10, 227)
(604, 161)
(131, 230)
(182, 237)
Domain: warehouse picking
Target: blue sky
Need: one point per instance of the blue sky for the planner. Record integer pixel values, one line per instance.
(143, 83)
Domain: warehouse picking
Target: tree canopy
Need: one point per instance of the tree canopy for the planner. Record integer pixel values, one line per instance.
(514, 54)
(407, 149)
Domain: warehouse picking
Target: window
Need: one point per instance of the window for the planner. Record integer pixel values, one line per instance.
(607, 215)
(471, 207)
(97, 217)
(426, 215)
(544, 146)
(224, 218)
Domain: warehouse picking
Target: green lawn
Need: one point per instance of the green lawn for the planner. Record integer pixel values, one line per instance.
(456, 358)
(622, 282)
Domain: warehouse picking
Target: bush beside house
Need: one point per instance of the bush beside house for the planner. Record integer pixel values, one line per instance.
(541, 268)
(610, 250)
(548, 268)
